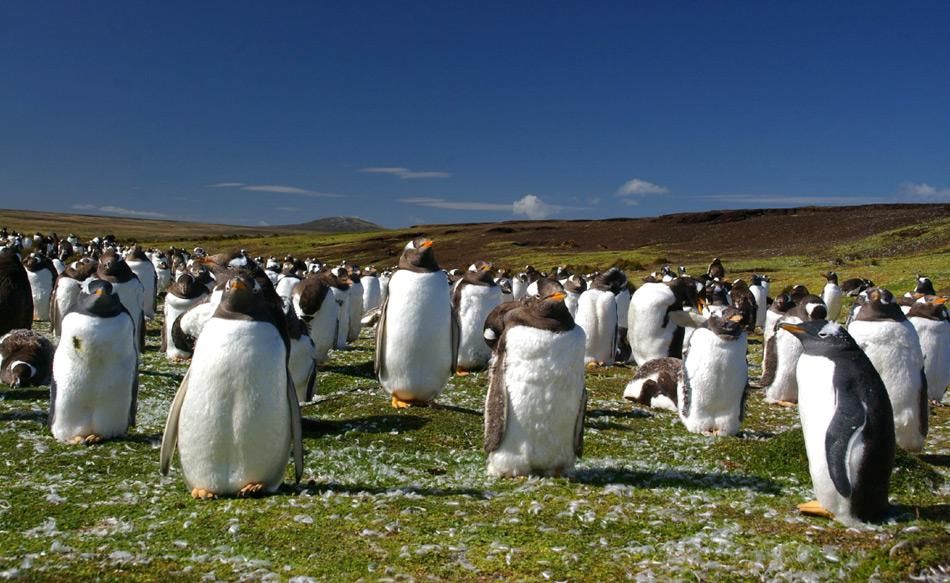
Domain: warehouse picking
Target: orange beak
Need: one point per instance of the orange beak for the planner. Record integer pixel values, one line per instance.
(100, 292)
(426, 244)
(792, 328)
(735, 318)
(558, 296)
(238, 284)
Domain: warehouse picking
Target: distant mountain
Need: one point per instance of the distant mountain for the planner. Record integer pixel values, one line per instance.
(336, 225)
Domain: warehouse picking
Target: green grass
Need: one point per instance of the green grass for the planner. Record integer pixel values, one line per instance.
(403, 494)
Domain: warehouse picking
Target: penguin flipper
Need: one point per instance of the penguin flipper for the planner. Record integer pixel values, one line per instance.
(170, 436)
(381, 340)
(311, 381)
(296, 431)
(456, 339)
(133, 406)
(924, 404)
(496, 405)
(845, 427)
(579, 425)
(771, 362)
(52, 401)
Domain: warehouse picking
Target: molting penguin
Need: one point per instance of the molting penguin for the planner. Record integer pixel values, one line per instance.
(16, 299)
(597, 316)
(417, 338)
(474, 297)
(95, 369)
(655, 384)
(163, 274)
(42, 275)
(143, 269)
(847, 422)
(744, 300)
(115, 270)
(26, 359)
(182, 295)
(651, 332)
(716, 270)
(831, 295)
(781, 359)
(536, 401)
(236, 416)
(519, 286)
(931, 321)
(314, 304)
(883, 332)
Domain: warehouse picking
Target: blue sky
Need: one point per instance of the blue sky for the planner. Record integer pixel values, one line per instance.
(403, 113)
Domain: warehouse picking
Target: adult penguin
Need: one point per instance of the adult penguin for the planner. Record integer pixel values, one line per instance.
(924, 286)
(182, 295)
(114, 269)
(314, 305)
(760, 291)
(372, 296)
(417, 338)
(519, 286)
(716, 270)
(847, 422)
(42, 275)
(301, 365)
(475, 295)
(779, 378)
(574, 286)
(340, 288)
(932, 323)
(883, 332)
(536, 401)
(597, 316)
(26, 359)
(235, 417)
(143, 269)
(163, 274)
(16, 298)
(95, 369)
(355, 294)
(855, 286)
(68, 287)
(651, 331)
(831, 295)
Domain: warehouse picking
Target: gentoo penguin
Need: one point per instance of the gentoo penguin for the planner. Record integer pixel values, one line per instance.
(832, 295)
(143, 269)
(372, 296)
(235, 417)
(16, 297)
(503, 279)
(716, 270)
(847, 422)
(743, 300)
(854, 286)
(711, 389)
(163, 274)
(68, 286)
(340, 288)
(286, 283)
(302, 365)
(760, 291)
(783, 351)
(536, 401)
(26, 359)
(42, 275)
(475, 295)
(417, 338)
(651, 332)
(883, 332)
(384, 285)
(182, 295)
(655, 384)
(622, 296)
(95, 369)
(597, 316)
(931, 321)
(519, 286)
(114, 269)
(574, 287)
(924, 286)
(314, 304)
(356, 304)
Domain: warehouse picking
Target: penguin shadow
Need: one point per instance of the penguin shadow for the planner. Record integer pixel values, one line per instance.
(30, 415)
(362, 370)
(458, 409)
(675, 479)
(31, 394)
(936, 513)
(935, 459)
(370, 424)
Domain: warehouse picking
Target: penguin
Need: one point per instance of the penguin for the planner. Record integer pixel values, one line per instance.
(42, 275)
(114, 269)
(924, 286)
(778, 376)
(597, 316)
(622, 296)
(417, 338)
(780, 305)
(651, 332)
(235, 417)
(475, 295)
(26, 359)
(182, 295)
(760, 291)
(372, 295)
(831, 295)
(94, 388)
(716, 270)
(143, 269)
(536, 400)
(892, 344)
(340, 288)
(743, 299)
(356, 304)
(519, 286)
(847, 422)
(384, 285)
(16, 296)
(932, 323)
(854, 286)
(314, 304)
(301, 365)
(286, 283)
(574, 287)
(163, 275)
(711, 388)
(67, 289)
(655, 384)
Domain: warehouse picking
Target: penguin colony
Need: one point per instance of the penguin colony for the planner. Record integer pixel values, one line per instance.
(255, 331)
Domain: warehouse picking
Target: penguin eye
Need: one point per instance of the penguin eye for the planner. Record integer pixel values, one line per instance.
(822, 334)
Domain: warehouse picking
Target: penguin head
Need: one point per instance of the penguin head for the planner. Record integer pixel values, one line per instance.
(575, 284)
(688, 293)
(419, 254)
(924, 286)
(612, 280)
(879, 305)
(727, 324)
(98, 297)
(242, 293)
(798, 292)
(832, 277)
(821, 336)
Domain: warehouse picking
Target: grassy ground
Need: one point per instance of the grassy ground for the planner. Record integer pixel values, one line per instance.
(403, 495)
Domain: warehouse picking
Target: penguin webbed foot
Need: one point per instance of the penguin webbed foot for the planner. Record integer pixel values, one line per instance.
(90, 439)
(252, 489)
(461, 372)
(814, 508)
(202, 494)
(785, 403)
(401, 404)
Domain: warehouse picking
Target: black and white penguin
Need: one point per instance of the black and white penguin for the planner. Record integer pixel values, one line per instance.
(651, 332)
(760, 291)
(924, 286)
(163, 274)
(716, 270)
(42, 275)
(597, 316)
(302, 364)
(114, 269)
(16, 297)
(26, 359)
(744, 300)
(182, 295)
(417, 338)
(854, 286)
(314, 304)
(339, 281)
(474, 296)
(832, 295)
(372, 294)
(655, 384)
(883, 332)
(932, 323)
(95, 369)
(536, 401)
(65, 295)
(236, 417)
(355, 294)
(519, 286)
(574, 287)
(848, 424)
(780, 359)
(143, 269)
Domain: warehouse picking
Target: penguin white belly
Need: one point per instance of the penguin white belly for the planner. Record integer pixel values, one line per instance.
(371, 293)
(476, 302)
(760, 305)
(93, 368)
(174, 307)
(831, 295)
(935, 344)
(67, 295)
(597, 315)
(532, 289)
(518, 288)
(301, 364)
(322, 327)
(623, 307)
(356, 312)
(285, 287)
(648, 336)
(164, 278)
(816, 407)
(59, 265)
(234, 427)
(132, 296)
(41, 286)
(418, 351)
(145, 271)
(784, 385)
(571, 302)
(383, 289)
(544, 381)
(717, 375)
(894, 350)
(342, 299)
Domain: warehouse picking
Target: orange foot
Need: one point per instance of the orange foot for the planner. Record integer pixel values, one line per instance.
(252, 489)
(814, 508)
(400, 404)
(786, 403)
(202, 494)
(462, 372)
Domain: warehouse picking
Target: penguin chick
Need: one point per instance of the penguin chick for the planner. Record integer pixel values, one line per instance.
(26, 359)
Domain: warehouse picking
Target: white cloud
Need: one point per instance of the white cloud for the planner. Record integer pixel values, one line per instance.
(923, 190)
(226, 185)
(405, 173)
(276, 188)
(533, 207)
(637, 187)
(117, 210)
(441, 203)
